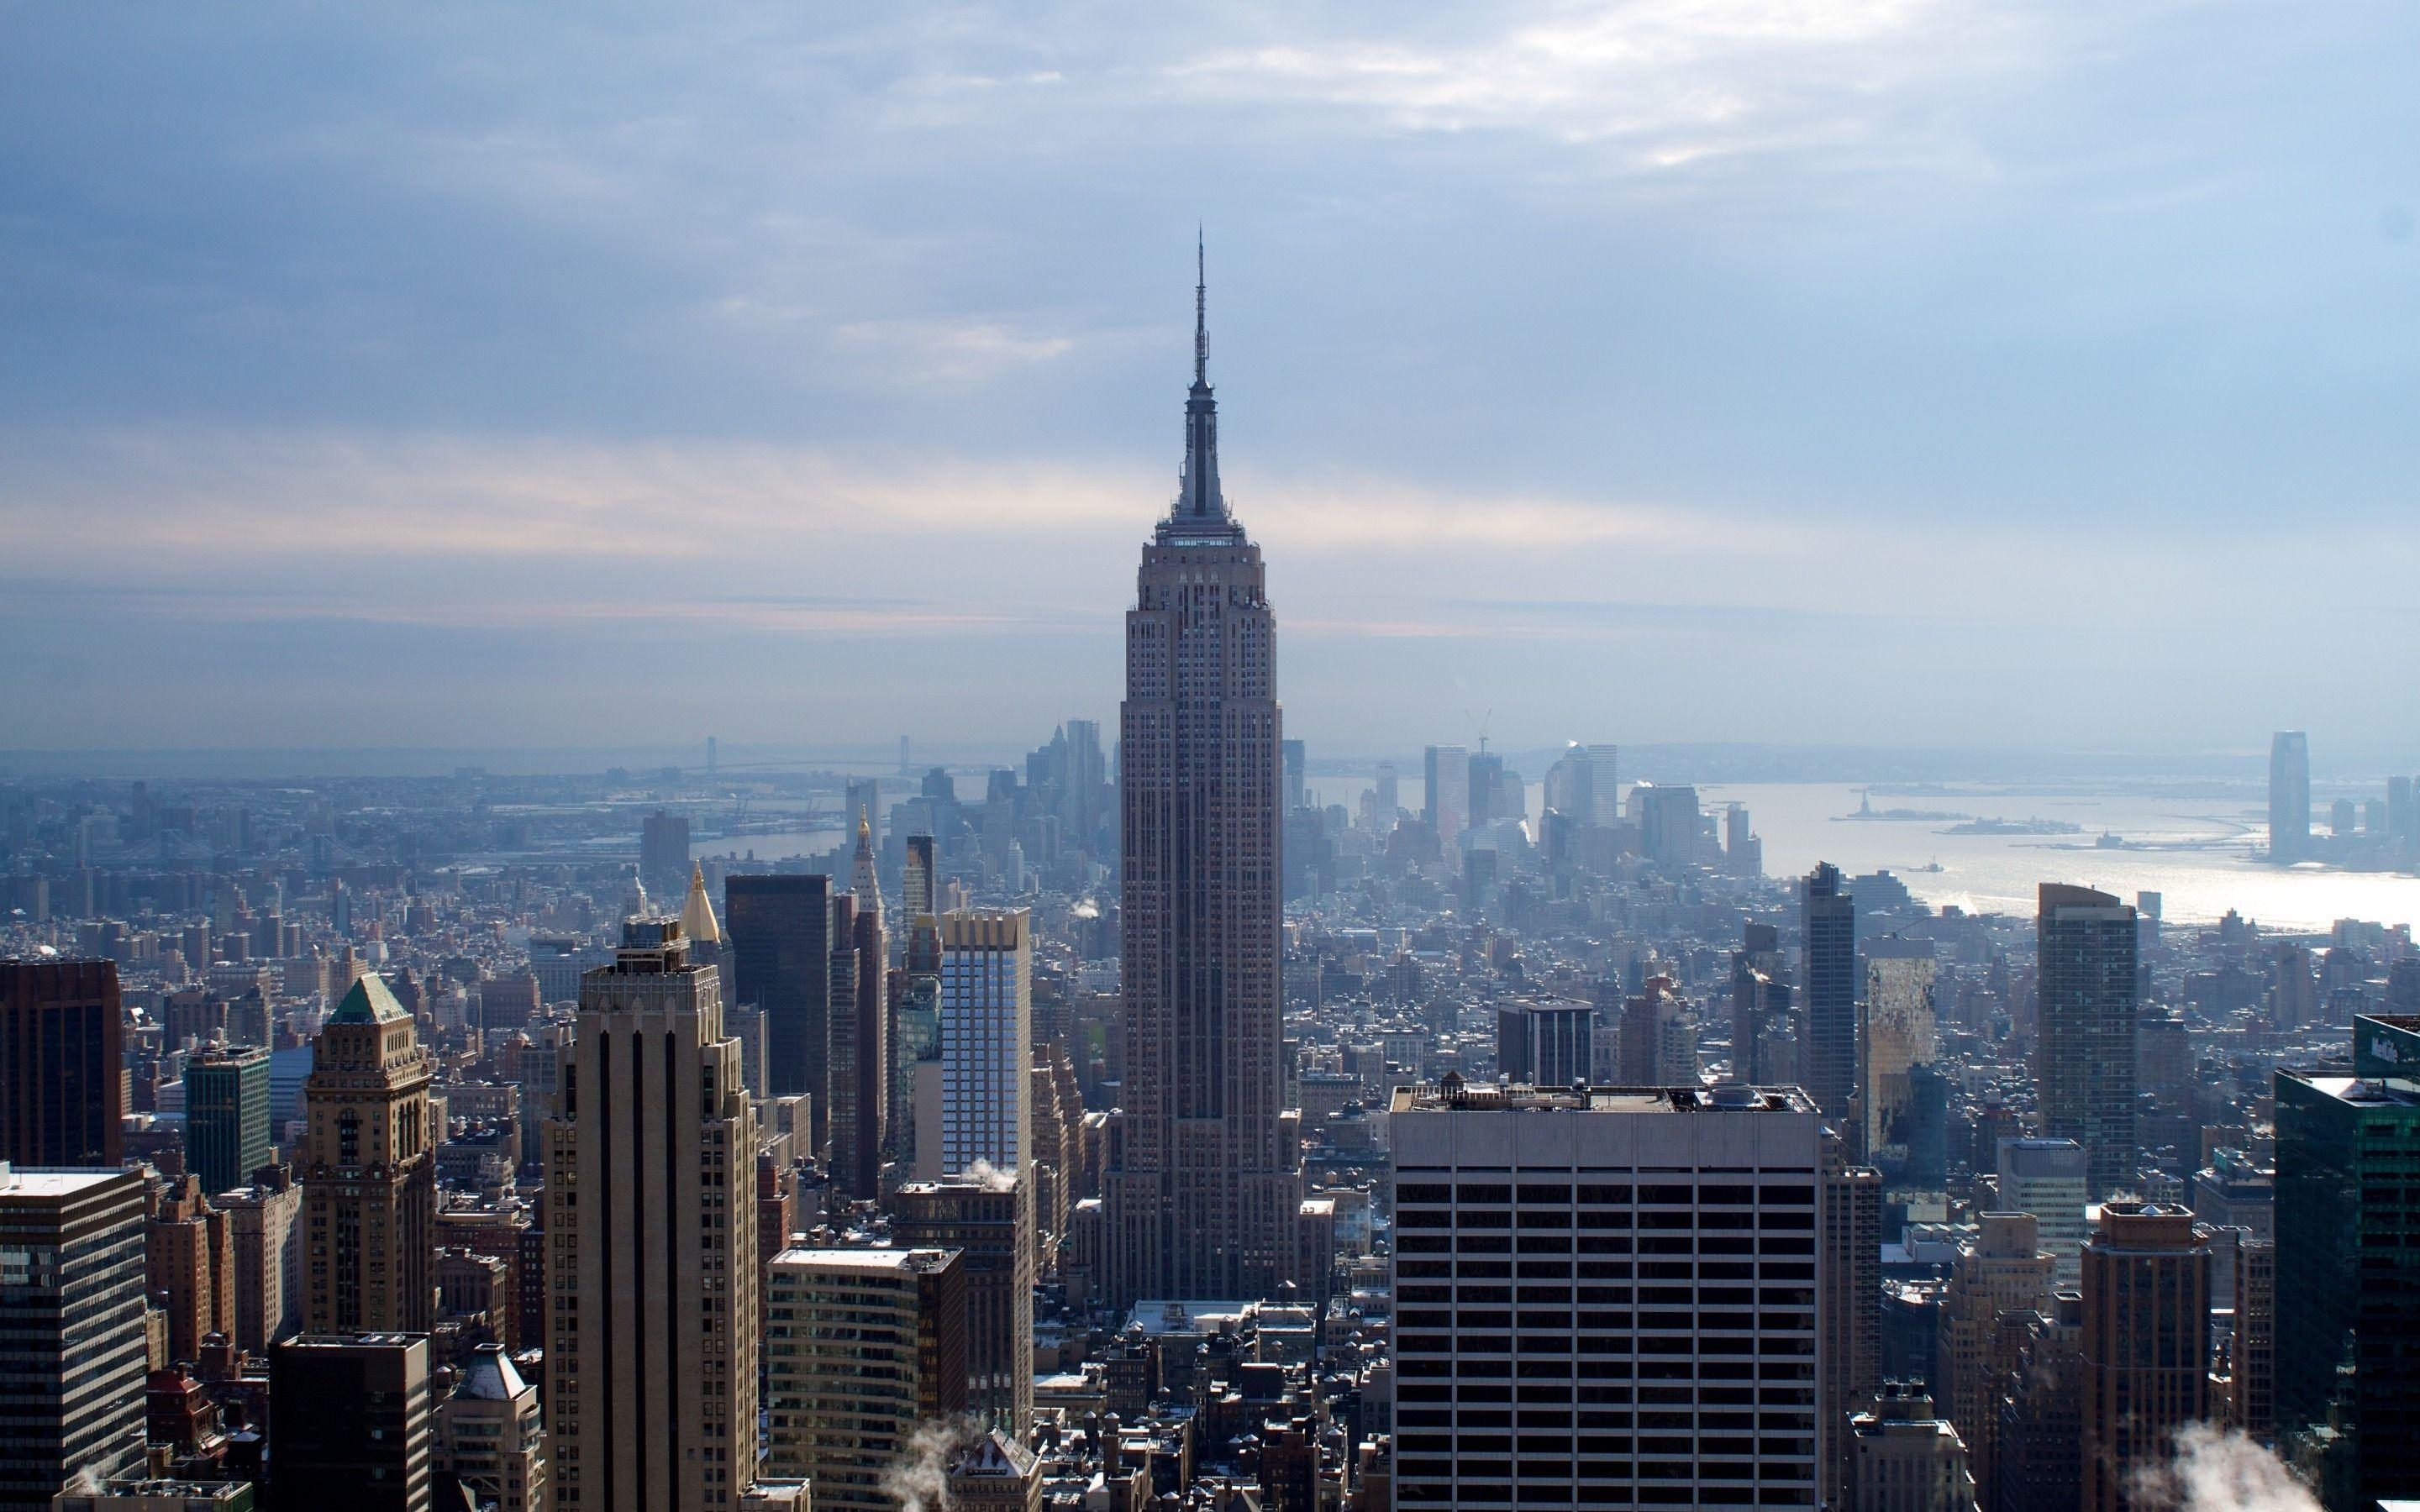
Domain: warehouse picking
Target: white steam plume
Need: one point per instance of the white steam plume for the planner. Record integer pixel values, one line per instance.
(989, 1176)
(2216, 1471)
(920, 1478)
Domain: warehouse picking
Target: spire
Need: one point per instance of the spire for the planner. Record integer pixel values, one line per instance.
(1198, 499)
(698, 923)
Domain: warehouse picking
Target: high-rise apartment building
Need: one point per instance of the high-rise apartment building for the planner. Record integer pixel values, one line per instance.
(1205, 1199)
(780, 929)
(350, 1417)
(2348, 1268)
(916, 879)
(226, 1116)
(2048, 1179)
(1830, 1049)
(368, 1164)
(651, 1223)
(61, 1041)
(1661, 1331)
(2290, 797)
(72, 1350)
(986, 1039)
(2146, 1348)
(864, 1346)
(2085, 1058)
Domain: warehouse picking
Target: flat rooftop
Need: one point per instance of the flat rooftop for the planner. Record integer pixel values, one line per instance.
(54, 1181)
(1488, 1098)
(870, 1258)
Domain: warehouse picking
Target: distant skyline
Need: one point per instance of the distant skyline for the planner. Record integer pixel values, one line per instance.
(1890, 374)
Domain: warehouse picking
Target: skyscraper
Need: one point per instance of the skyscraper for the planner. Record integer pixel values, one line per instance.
(780, 929)
(857, 1057)
(2085, 1059)
(986, 1040)
(651, 1216)
(989, 1221)
(2348, 1276)
(2146, 1347)
(1206, 1195)
(1831, 1046)
(2290, 797)
(368, 1164)
(61, 1034)
(1445, 771)
(1669, 1269)
(71, 1333)
(226, 1116)
(663, 848)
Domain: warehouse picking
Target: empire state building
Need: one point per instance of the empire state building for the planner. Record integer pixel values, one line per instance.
(1205, 1198)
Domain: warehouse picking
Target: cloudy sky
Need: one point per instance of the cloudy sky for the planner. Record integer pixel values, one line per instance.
(1904, 372)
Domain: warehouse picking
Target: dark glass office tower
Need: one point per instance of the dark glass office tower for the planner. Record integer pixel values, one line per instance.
(779, 931)
(2085, 1057)
(1831, 1046)
(60, 1038)
(2348, 1251)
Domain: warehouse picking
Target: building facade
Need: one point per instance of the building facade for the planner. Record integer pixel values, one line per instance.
(368, 1165)
(2084, 1056)
(1208, 1191)
(863, 1346)
(990, 1224)
(651, 1222)
(72, 1339)
(226, 1116)
(350, 1417)
(779, 931)
(2347, 1257)
(2145, 1349)
(1664, 1335)
(62, 1037)
(1830, 1048)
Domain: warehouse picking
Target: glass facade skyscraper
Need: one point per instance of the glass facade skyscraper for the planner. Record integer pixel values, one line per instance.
(2348, 1276)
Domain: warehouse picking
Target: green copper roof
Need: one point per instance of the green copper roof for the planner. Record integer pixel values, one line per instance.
(369, 1002)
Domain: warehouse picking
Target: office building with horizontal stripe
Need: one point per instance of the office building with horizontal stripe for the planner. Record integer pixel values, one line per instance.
(1607, 1298)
